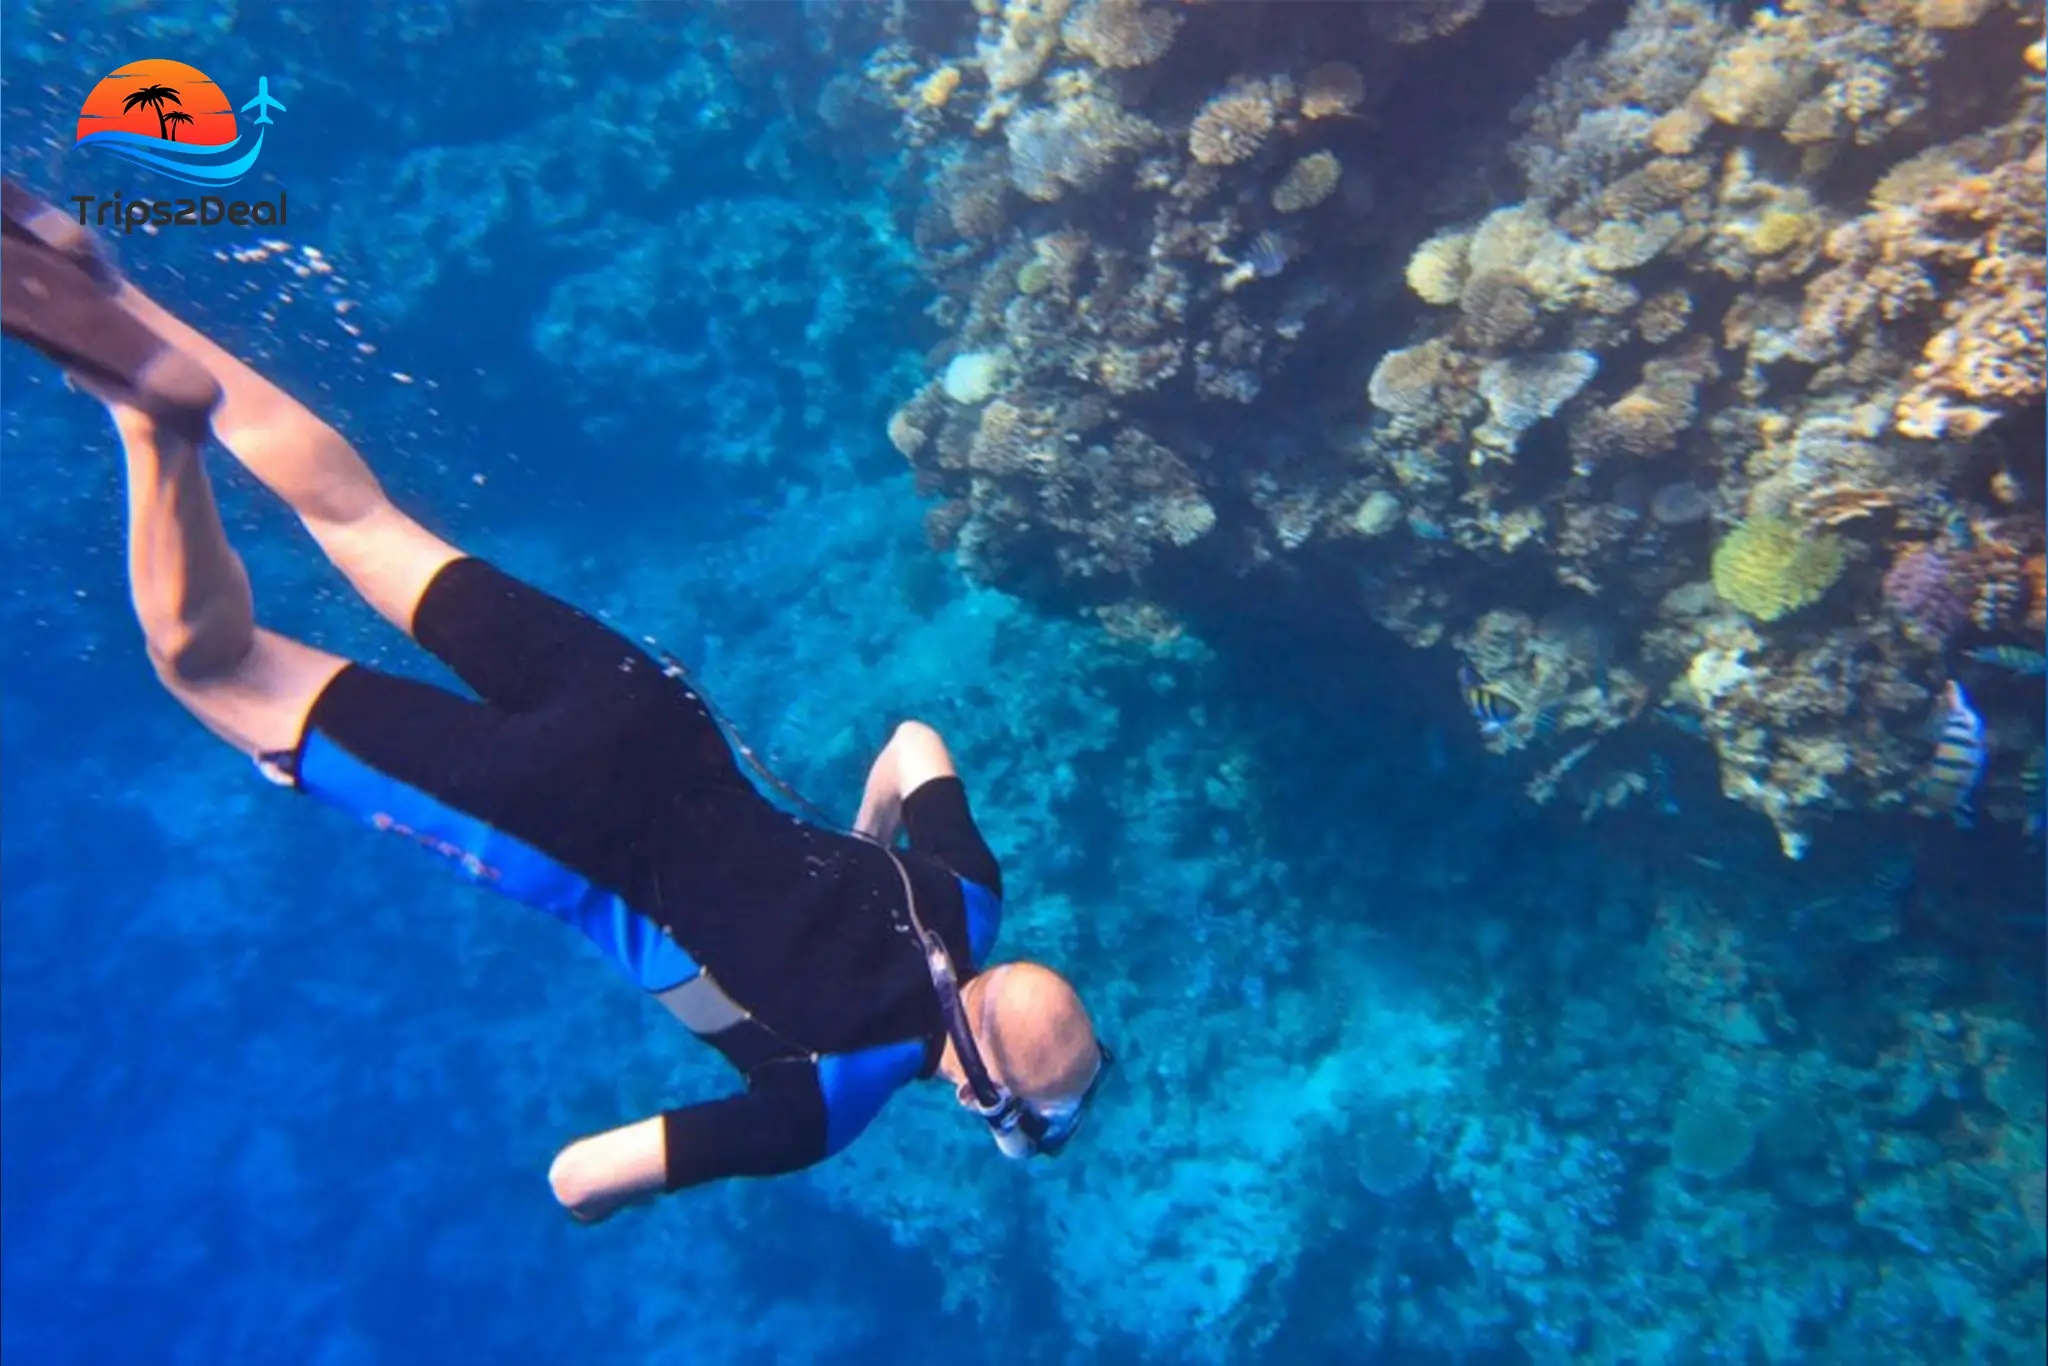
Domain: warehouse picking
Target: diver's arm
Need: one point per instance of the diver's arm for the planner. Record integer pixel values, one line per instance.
(595, 1177)
(913, 757)
(776, 1126)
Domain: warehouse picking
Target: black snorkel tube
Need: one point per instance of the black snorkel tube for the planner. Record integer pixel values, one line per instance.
(1017, 1129)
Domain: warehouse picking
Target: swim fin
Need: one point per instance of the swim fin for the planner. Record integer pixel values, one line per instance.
(58, 294)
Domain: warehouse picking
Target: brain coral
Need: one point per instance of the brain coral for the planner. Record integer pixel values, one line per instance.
(1232, 125)
(1308, 182)
(1768, 567)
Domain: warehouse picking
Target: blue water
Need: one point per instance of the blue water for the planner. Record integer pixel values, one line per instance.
(1404, 1058)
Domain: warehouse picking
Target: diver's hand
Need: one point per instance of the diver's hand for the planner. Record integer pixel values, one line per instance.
(913, 757)
(596, 1177)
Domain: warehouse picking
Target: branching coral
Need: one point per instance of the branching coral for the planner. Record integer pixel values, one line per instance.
(1018, 40)
(1769, 567)
(1990, 357)
(1925, 588)
(1071, 145)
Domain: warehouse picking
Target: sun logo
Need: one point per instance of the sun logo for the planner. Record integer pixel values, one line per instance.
(174, 119)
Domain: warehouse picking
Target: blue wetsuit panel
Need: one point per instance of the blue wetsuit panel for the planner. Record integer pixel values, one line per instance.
(635, 944)
(856, 1085)
(984, 919)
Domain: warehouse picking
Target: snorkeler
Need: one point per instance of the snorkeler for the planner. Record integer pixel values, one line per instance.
(585, 778)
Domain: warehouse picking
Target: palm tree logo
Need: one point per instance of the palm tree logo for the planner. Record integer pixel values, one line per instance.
(154, 98)
(173, 119)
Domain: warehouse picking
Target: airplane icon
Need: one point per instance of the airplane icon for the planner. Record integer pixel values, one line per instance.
(263, 104)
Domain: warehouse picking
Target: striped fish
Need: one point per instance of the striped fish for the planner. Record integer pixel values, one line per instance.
(2017, 658)
(1490, 706)
(1958, 762)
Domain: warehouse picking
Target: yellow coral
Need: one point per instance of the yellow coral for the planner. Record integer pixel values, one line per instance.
(1757, 81)
(1677, 133)
(938, 87)
(1436, 271)
(1781, 230)
(1767, 567)
(1952, 13)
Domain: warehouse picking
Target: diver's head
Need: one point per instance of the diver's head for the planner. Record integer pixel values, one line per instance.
(1039, 1046)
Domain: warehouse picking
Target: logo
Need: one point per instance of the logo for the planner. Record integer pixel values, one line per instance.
(173, 119)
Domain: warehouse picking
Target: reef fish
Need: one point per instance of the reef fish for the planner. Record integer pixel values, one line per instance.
(1490, 706)
(1268, 255)
(2017, 658)
(1958, 762)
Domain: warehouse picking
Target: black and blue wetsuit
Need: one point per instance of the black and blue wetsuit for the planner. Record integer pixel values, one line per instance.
(589, 783)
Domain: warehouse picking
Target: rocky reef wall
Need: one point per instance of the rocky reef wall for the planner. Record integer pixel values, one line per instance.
(1677, 366)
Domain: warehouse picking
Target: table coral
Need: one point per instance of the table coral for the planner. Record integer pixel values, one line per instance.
(1437, 268)
(1119, 33)
(1233, 124)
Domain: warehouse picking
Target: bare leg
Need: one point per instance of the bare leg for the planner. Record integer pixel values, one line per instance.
(387, 556)
(252, 687)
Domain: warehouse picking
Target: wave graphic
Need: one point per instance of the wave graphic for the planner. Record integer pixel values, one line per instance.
(193, 163)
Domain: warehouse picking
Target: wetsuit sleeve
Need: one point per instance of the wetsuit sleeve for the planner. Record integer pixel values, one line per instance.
(776, 1126)
(942, 827)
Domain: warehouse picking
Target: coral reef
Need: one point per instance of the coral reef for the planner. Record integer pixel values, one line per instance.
(1770, 271)
(1416, 1067)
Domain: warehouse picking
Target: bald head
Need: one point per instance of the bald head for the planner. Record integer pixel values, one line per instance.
(1034, 1033)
